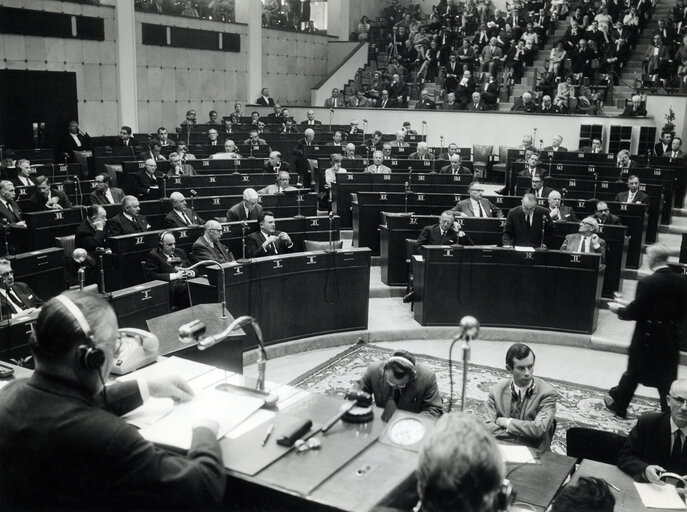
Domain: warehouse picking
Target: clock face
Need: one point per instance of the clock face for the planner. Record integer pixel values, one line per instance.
(407, 431)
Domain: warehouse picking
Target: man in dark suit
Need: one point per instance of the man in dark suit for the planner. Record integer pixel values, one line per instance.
(275, 164)
(125, 138)
(24, 173)
(675, 151)
(9, 209)
(129, 221)
(634, 109)
(659, 306)
(46, 199)
(556, 144)
(547, 107)
(632, 194)
(476, 205)
(455, 166)
(586, 239)
(595, 147)
(103, 193)
(451, 103)
(63, 413)
(181, 216)
(75, 139)
(267, 241)
(166, 263)
(147, 182)
(16, 299)
(310, 121)
(300, 162)
(90, 235)
(663, 145)
(264, 98)
(385, 101)
(425, 103)
(604, 215)
(209, 247)
(524, 224)
(443, 233)
(559, 212)
(656, 443)
(153, 152)
(477, 104)
(248, 209)
(538, 189)
(532, 168)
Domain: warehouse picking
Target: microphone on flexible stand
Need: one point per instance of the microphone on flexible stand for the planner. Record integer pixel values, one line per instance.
(424, 130)
(469, 329)
(543, 227)
(441, 145)
(299, 200)
(331, 115)
(101, 251)
(193, 195)
(220, 286)
(550, 163)
(6, 232)
(596, 177)
(164, 185)
(236, 166)
(541, 143)
(331, 243)
(364, 128)
(79, 255)
(244, 227)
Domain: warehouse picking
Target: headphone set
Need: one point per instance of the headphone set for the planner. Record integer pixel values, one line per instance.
(91, 357)
(161, 238)
(407, 365)
(514, 393)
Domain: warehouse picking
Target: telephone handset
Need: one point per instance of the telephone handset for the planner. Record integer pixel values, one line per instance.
(139, 348)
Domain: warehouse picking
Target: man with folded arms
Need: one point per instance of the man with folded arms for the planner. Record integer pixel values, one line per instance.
(522, 408)
(656, 443)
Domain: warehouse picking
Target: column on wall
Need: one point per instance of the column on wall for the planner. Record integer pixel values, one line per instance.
(126, 63)
(250, 12)
(338, 14)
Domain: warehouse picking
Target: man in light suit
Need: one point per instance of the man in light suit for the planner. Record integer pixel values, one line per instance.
(443, 233)
(556, 144)
(476, 205)
(248, 209)
(178, 168)
(267, 241)
(586, 239)
(454, 167)
(559, 212)
(281, 186)
(522, 408)
(103, 193)
(335, 100)
(477, 105)
(377, 167)
(632, 194)
(208, 246)
(524, 224)
(181, 216)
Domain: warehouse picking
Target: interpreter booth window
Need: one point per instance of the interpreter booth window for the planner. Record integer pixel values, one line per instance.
(297, 15)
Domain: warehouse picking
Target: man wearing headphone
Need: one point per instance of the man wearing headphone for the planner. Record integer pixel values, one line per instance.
(400, 383)
(167, 262)
(522, 409)
(62, 444)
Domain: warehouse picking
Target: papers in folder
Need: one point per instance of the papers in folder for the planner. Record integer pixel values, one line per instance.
(660, 496)
(514, 454)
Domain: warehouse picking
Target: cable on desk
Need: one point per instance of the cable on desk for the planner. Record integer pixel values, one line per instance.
(331, 274)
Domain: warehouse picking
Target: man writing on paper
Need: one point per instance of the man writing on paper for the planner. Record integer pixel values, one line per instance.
(522, 409)
(656, 443)
(62, 444)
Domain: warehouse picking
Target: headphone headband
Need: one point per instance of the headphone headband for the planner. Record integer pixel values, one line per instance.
(76, 314)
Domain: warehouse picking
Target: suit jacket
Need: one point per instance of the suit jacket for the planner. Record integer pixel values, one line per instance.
(390, 103)
(567, 214)
(186, 170)
(545, 191)
(630, 112)
(145, 155)
(269, 102)
(172, 220)
(38, 202)
(143, 182)
(329, 102)
(14, 215)
(65, 428)
(18, 183)
(526, 172)
(465, 206)
(68, 143)
(383, 169)
(431, 235)
(451, 106)
(518, 232)
(658, 149)
(480, 107)
(99, 198)
(89, 238)
(538, 410)
(132, 142)
(238, 212)
(204, 250)
(461, 170)
(273, 189)
(550, 148)
(28, 299)
(649, 444)
(572, 244)
(551, 109)
(415, 156)
(659, 306)
(613, 220)
(315, 122)
(120, 225)
(157, 267)
(267, 168)
(421, 395)
(425, 104)
(640, 197)
(254, 247)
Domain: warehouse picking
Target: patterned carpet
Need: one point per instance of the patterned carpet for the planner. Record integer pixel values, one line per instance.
(578, 405)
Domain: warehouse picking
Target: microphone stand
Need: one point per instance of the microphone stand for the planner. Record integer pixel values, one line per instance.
(81, 276)
(441, 145)
(241, 321)
(101, 281)
(243, 259)
(221, 287)
(424, 130)
(543, 228)
(236, 166)
(78, 196)
(193, 195)
(331, 243)
(6, 232)
(164, 186)
(550, 164)
(596, 177)
(331, 115)
(299, 199)
(188, 133)
(469, 328)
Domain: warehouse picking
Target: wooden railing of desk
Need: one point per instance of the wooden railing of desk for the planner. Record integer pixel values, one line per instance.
(350, 183)
(296, 295)
(397, 227)
(549, 290)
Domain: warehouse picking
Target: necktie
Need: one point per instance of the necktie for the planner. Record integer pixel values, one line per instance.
(528, 219)
(377, 169)
(676, 453)
(186, 219)
(516, 406)
(583, 245)
(481, 210)
(137, 225)
(631, 197)
(220, 254)
(391, 405)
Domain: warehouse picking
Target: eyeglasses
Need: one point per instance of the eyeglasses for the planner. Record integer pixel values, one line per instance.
(583, 223)
(678, 400)
(602, 210)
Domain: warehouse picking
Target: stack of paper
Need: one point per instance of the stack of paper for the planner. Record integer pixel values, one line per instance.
(663, 496)
(515, 454)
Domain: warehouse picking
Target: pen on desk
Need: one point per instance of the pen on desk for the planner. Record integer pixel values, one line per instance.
(613, 486)
(270, 429)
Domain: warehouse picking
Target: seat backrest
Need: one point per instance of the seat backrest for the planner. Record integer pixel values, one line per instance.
(318, 245)
(67, 243)
(589, 443)
(411, 245)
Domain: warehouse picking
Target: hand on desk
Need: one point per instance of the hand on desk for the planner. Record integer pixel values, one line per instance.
(615, 306)
(212, 425)
(652, 473)
(173, 387)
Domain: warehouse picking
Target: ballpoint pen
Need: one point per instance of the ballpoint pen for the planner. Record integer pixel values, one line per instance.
(270, 429)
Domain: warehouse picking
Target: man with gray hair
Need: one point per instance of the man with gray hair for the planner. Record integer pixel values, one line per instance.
(275, 164)
(129, 221)
(178, 168)
(248, 209)
(147, 181)
(556, 144)
(460, 467)
(209, 247)
(425, 103)
(422, 152)
(524, 224)
(181, 216)
(349, 152)
(311, 121)
(377, 166)
(400, 140)
(558, 211)
(659, 306)
(231, 152)
(455, 166)
(281, 186)
(635, 109)
(9, 209)
(586, 239)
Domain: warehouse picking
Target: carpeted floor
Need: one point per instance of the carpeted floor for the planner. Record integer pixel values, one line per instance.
(578, 405)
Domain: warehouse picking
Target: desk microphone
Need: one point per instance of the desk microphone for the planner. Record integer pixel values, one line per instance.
(358, 399)
(469, 329)
(79, 255)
